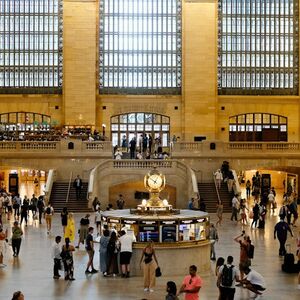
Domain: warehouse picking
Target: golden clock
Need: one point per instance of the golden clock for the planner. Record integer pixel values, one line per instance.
(154, 181)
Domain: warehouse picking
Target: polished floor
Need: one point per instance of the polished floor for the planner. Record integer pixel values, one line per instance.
(32, 271)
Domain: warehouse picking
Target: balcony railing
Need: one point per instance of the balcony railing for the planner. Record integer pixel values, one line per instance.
(179, 150)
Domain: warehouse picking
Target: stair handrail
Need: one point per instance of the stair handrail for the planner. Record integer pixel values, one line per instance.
(49, 183)
(217, 189)
(69, 187)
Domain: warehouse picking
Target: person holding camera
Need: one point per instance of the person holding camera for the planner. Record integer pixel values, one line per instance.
(243, 240)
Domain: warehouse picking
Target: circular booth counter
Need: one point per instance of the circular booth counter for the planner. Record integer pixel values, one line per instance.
(180, 240)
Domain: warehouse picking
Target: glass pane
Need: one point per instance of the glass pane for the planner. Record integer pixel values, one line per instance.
(266, 118)
(115, 140)
(165, 120)
(148, 127)
(283, 120)
(4, 118)
(156, 127)
(114, 127)
(241, 119)
(257, 128)
(165, 127)
(249, 118)
(123, 127)
(140, 127)
(232, 127)
(131, 127)
(274, 119)
(232, 120)
(140, 118)
(131, 118)
(115, 119)
(123, 118)
(148, 118)
(283, 128)
(12, 118)
(257, 118)
(165, 140)
(156, 119)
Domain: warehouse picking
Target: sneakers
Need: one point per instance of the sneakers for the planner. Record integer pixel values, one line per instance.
(94, 271)
(72, 278)
(87, 272)
(55, 277)
(77, 247)
(151, 290)
(146, 289)
(2, 265)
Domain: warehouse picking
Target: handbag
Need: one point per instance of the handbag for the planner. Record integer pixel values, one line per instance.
(157, 272)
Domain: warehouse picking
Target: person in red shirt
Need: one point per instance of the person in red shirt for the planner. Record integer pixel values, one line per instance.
(191, 285)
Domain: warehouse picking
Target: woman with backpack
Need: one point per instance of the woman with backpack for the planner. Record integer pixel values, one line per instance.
(113, 248)
(243, 240)
(67, 258)
(49, 211)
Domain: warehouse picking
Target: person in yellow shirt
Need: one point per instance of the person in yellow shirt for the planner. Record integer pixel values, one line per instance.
(70, 228)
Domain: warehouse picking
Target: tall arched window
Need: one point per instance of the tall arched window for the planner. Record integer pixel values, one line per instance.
(126, 126)
(258, 47)
(140, 47)
(31, 35)
(259, 127)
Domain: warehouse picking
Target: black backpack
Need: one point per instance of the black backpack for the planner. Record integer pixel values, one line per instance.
(251, 251)
(48, 211)
(227, 276)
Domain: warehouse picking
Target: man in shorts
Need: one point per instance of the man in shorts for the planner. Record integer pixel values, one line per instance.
(253, 280)
(89, 246)
(126, 241)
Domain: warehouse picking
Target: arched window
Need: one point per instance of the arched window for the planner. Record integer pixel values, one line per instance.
(259, 127)
(25, 121)
(126, 126)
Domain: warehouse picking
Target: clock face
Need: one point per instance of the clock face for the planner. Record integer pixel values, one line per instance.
(155, 181)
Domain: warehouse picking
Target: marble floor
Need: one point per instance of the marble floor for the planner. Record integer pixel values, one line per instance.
(32, 271)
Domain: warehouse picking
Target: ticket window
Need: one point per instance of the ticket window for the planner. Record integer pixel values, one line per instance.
(131, 226)
(148, 232)
(192, 231)
(169, 233)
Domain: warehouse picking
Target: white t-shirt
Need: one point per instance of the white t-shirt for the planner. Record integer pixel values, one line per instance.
(98, 216)
(255, 278)
(235, 202)
(126, 241)
(271, 197)
(235, 273)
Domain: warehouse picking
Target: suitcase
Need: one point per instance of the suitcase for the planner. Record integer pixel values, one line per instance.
(289, 265)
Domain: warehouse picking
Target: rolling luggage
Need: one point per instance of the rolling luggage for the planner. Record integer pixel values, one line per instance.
(289, 265)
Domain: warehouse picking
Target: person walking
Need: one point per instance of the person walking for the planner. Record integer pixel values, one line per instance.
(89, 246)
(49, 212)
(77, 184)
(235, 208)
(67, 258)
(98, 220)
(219, 178)
(213, 236)
(70, 228)
(16, 238)
(126, 241)
(132, 147)
(24, 212)
(248, 189)
(16, 206)
(219, 213)
(3, 238)
(227, 277)
(191, 284)
(33, 206)
(150, 265)
(281, 229)
(104, 240)
(40, 207)
(56, 251)
(64, 218)
(83, 229)
(255, 211)
(120, 202)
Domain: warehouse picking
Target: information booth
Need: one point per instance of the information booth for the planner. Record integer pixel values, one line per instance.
(176, 236)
